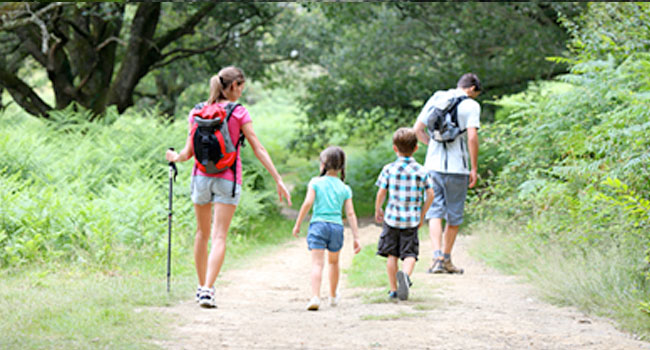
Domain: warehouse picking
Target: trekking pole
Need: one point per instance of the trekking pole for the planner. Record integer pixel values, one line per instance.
(172, 177)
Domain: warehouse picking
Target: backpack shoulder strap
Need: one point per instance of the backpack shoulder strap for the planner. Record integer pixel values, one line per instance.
(230, 108)
(454, 108)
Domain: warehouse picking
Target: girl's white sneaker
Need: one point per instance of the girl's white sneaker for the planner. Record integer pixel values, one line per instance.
(335, 300)
(314, 304)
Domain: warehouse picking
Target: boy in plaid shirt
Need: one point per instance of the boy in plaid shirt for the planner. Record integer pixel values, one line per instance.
(404, 180)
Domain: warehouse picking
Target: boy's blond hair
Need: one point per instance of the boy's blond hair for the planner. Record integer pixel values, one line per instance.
(405, 140)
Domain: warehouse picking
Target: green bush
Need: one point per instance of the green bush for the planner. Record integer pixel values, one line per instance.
(572, 162)
(90, 191)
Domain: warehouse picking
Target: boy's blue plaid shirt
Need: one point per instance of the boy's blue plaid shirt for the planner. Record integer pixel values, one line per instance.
(405, 180)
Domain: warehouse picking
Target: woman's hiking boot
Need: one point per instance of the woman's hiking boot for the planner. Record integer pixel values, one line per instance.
(450, 268)
(437, 267)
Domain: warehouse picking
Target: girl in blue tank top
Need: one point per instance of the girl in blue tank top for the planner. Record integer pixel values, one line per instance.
(328, 195)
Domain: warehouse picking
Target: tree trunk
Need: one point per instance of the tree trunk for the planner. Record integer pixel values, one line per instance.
(94, 44)
(136, 63)
(169, 88)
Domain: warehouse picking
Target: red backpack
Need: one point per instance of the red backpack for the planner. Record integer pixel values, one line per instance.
(214, 151)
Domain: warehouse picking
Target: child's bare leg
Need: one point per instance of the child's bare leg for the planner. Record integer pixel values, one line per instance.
(222, 216)
(391, 269)
(317, 262)
(408, 264)
(203, 217)
(333, 260)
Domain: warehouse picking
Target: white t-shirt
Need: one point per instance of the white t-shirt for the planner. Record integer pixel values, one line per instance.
(455, 159)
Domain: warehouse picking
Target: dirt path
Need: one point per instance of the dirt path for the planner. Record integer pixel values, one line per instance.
(262, 307)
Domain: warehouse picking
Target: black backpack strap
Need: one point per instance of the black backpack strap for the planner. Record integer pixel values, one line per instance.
(230, 108)
(454, 110)
(240, 141)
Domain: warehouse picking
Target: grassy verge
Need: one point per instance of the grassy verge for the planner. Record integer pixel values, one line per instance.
(70, 306)
(595, 281)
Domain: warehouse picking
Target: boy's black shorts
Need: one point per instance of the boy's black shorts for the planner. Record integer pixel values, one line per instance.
(399, 242)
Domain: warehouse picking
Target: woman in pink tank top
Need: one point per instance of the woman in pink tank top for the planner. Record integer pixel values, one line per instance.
(212, 193)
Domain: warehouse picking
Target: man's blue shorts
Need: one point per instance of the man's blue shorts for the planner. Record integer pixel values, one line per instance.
(449, 200)
(325, 235)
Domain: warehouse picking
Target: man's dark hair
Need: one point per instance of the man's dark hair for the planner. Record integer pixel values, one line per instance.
(469, 80)
(405, 141)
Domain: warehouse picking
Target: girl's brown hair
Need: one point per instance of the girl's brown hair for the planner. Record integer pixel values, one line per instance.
(333, 158)
(222, 81)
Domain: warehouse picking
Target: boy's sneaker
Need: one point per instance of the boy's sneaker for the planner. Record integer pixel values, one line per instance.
(206, 298)
(436, 267)
(313, 304)
(403, 285)
(198, 293)
(333, 301)
(392, 296)
(450, 268)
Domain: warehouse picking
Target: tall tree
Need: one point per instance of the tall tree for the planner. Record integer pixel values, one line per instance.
(380, 62)
(96, 54)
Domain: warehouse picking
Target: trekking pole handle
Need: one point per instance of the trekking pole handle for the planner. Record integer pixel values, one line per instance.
(173, 171)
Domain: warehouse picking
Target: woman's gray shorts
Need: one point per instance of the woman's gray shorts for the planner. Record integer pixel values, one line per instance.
(450, 191)
(205, 189)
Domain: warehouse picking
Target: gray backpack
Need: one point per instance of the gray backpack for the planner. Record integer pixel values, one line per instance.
(442, 121)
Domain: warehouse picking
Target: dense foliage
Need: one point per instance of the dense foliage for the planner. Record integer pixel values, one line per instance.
(379, 62)
(89, 192)
(572, 158)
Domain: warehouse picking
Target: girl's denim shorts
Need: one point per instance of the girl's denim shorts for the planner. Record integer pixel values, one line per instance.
(325, 235)
(205, 189)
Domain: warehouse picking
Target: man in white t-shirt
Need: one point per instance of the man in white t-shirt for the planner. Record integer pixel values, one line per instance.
(453, 166)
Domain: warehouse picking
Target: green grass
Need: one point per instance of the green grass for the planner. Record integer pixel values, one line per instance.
(64, 305)
(596, 281)
(367, 269)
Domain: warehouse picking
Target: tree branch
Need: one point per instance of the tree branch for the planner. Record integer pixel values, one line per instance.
(186, 28)
(9, 24)
(45, 34)
(188, 53)
(108, 41)
(23, 94)
(184, 52)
